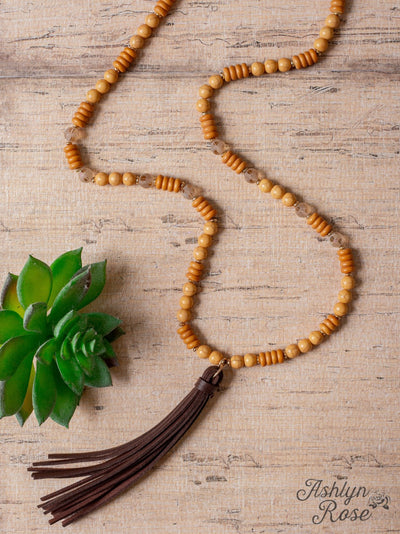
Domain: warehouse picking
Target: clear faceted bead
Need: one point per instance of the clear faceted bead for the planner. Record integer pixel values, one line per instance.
(73, 134)
(303, 209)
(253, 175)
(191, 191)
(218, 146)
(146, 180)
(85, 174)
(337, 240)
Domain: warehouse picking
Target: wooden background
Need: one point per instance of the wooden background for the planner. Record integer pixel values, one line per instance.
(329, 133)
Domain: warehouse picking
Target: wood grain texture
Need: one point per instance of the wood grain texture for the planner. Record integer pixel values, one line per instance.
(330, 134)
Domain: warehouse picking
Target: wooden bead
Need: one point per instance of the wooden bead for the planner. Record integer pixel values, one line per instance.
(265, 185)
(346, 260)
(237, 362)
(115, 178)
(257, 68)
(319, 224)
(128, 178)
(205, 240)
(124, 60)
(233, 161)
(272, 358)
(111, 76)
(292, 351)
(203, 351)
(101, 178)
(189, 289)
(337, 6)
(262, 359)
(144, 31)
(345, 296)
(284, 64)
(250, 360)
(136, 42)
(277, 192)
(210, 228)
(203, 105)
(208, 126)
(102, 86)
(200, 253)
(316, 337)
(152, 20)
(306, 59)
(93, 96)
(216, 81)
(332, 21)
(289, 199)
(188, 336)
(321, 44)
(215, 357)
(183, 315)
(195, 271)
(73, 156)
(168, 184)
(326, 33)
(304, 345)
(329, 325)
(348, 282)
(270, 66)
(83, 114)
(235, 72)
(204, 208)
(163, 6)
(206, 91)
(186, 302)
(340, 309)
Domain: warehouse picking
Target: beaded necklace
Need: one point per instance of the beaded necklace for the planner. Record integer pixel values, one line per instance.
(124, 465)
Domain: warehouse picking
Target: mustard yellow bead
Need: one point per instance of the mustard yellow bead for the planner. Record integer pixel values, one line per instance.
(250, 360)
(265, 185)
(215, 357)
(111, 76)
(210, 228)
(183, 316)
(348, 282)
(237, 362)
(203, 105)
(326, 33)
(257, 68)
(93, 96)
(277, 192)
(316, 337)
(102, 86)
(345, 296)
(200, 253)
(321, 44)
(332, 21)
(271, 66)
(128, 178)
(101, 178)
(304, 345)
(144, 31)
(289, 199)
(216, 81)
(284, 64)
(152, 20)
(205, 240)
(203, 351)
(292, 351)
(206, 91)
(189, 289)
(340, 309)
(186, 302)
(136, 42)
(115, 178)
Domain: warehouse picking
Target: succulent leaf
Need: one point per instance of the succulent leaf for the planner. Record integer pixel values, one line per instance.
(13, 391)
(10, 325)
(9, 298)
(27, 407)
(66, 401)
(35, 318)
(75, 341)
(13, 352)
(66, 352)
(115, 334)
(44, 392)
(65, 324)
(34, 283)
(97, 282)
(63, 269)
(102, 323)
(72, 374)
(100, 376)
(70, 297)
(47, 352)
(86, 363)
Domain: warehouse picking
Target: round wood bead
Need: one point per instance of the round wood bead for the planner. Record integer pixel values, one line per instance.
(128, 178)
(326, 33)
(265, 185)
(250, 360)
(321, 44)
(200, 253)
(237, 362)
(215, 81)
(345, 296)
(136, 42)
(348, 282)
(289, 199)
(189, 289)
(271, 66)
(304, 345)
(93, 96)
(284, 64)
(205, 240)
(203, 351)
(111, 76)
(277, 192)
(101, 178)
(210, 228)
(115, 178)
(183, 315)
(186, 302)
(316, 337)
(144, 31)
(257, 68)
(102, 86)
(292, 351)
(203, 105)
(152, 20)
(332, 21)
(340, 309)
(215, 357)
(206, 91)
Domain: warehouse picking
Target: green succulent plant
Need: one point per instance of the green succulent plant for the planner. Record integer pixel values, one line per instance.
(48, 350)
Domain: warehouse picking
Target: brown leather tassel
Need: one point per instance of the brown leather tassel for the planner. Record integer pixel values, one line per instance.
(122, 466)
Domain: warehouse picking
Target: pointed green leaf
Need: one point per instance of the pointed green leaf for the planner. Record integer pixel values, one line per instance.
(109, 353)
(66, 351)
(44, 392)
(13, 390)
(34, 283)
(47, 352)
(102, 323)
(9, 298)
(100, 376)
(35, 318)
(86, 363)
(13, 352)
(27, 406)
(66, 401)
(115, 334)
(10, 325)
(65, 324)
(63, 269)
(96, 346)
(97, 282)
(75, 341)
(70, 297)
(72, 374)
